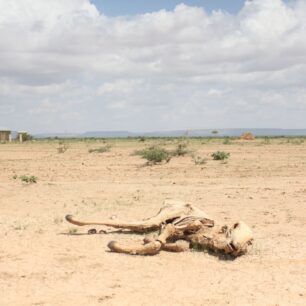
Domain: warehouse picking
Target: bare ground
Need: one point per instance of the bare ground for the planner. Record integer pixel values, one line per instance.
(43, 261)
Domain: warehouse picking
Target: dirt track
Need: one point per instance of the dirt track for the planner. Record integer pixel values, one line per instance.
(44, 262)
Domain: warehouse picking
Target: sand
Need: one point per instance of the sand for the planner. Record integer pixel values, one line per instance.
(46, 261)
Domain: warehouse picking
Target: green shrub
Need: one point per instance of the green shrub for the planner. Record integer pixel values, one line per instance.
(28, 179)
(27, 137)
(220, 155)
(154, 154)
(267, 140)
(100, 150)
(226, 141)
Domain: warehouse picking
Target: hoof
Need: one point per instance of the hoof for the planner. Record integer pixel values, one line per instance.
(92, 231)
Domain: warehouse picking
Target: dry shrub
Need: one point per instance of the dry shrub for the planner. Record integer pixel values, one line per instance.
(62, 148)
(180, 150)
(101, 149)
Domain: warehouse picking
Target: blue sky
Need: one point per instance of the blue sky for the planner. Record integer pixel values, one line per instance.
(125, 7)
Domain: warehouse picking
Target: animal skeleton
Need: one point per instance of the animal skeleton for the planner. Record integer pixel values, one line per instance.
(181, 226)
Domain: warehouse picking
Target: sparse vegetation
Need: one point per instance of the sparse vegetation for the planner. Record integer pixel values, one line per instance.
(103, 149)
(226, 141)
(267, 140)
(28, 179)
(296, 141)
(180, 150)
(220, 155)
(27, 137)
(263, 184)
(198, 160)
(154, 154)
(62, 148)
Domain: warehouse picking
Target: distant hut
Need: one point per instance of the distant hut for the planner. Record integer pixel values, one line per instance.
(23, 136)
(5, 135)
(247, 136)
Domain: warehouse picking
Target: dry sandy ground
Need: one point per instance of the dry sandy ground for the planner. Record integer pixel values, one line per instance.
(42, 262)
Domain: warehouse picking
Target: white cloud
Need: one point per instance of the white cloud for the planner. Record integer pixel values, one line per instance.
(169, 69)
(119, 87)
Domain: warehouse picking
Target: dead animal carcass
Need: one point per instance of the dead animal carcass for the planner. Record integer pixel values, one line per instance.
(181, 226)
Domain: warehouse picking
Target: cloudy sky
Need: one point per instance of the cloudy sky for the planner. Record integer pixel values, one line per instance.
(81, 65)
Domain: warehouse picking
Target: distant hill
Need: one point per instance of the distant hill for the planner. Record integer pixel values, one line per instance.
(177, 133)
